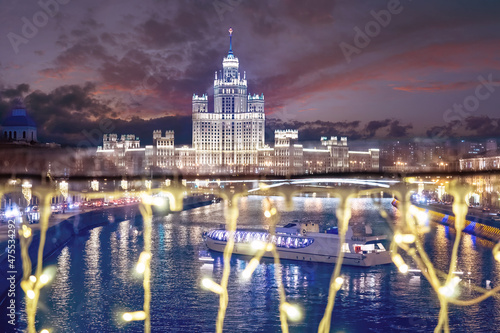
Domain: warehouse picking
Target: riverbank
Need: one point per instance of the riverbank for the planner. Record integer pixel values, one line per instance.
(61, 231)
(474, 225)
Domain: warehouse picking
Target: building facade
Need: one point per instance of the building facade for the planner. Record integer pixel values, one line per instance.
(230, 139)
(227, 139)
(482, 163)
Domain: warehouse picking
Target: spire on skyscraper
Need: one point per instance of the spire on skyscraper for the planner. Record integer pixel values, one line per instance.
(230, 53)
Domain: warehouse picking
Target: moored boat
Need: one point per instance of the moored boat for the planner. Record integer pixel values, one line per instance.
(303, 241)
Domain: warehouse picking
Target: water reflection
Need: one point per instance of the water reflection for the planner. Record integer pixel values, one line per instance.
(96, 283)
(119, 240)
(62, 293)
(93, 282)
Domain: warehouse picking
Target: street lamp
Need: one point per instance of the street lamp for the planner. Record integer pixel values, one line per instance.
(26, 189)
(63, 187)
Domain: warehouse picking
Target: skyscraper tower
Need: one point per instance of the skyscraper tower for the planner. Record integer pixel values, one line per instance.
(228, 139)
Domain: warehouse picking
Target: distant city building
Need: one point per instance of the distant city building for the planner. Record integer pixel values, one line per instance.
(470, 149)
(364, 160)
(479, 156)
(417, 156)
(480, 163)
(18, 126)
(230, 140)
(491, 146)
(123, 154)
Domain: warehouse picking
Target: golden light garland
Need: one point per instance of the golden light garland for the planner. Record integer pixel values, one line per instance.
(406, 237)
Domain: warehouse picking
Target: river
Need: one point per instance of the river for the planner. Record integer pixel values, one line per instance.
(96, 281)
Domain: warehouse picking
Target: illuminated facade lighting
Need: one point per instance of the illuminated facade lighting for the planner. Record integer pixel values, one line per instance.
(229, 138)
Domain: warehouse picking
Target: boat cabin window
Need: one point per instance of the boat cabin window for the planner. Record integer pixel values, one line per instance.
(380, 245)
(369, 247)
(345, 248)
(250, 236)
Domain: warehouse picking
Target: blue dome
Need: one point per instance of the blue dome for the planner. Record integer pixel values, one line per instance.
(18, 117)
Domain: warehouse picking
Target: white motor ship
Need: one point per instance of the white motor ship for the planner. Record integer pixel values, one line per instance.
(303, 241)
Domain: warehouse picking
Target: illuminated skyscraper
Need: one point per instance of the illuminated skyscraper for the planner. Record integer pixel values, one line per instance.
(227, 139)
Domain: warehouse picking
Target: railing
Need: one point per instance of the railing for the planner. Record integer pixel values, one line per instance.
(406, 238)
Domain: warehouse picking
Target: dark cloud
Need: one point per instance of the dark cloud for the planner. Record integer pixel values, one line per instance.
(473, 126)
(313, 130)
(483, 125)
(69, 113)
(373, 126)
(15, 92)
(77, 55)
(63, 113)
(290, 50)
(443, 132)
(396, 130)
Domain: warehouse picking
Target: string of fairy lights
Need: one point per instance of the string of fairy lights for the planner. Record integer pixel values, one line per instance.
(407, 238)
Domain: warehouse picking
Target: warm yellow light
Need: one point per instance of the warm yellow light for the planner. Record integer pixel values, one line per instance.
(33, 278)
(449, 289)
(26, 231)
(406, 238)
(26, 190)
(273, 211)
(422, 217)
(141, 263)
(338, 282)
(147, 199)
(446, 291)
(258, 245)
(137, 315)
(267, 214)
(44, 331)
(292, 311)
(159, 201)
(269, 247)
(44, 278)
(263, 186)
(140, 268)
(63, 187)
(497, 256)
(212, 286)
(398, 260)
(153, 201)
(413, 210)
(398, 238)
(252, 265)
(31, 294)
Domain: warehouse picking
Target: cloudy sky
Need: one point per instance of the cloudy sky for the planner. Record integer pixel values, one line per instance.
(366, 69)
